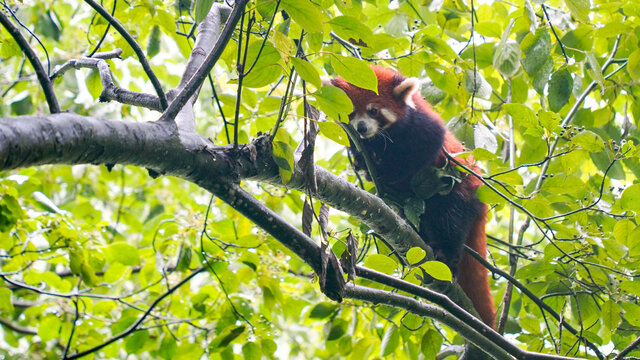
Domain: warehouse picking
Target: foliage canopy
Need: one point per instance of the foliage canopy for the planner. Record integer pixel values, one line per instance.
(545, 94)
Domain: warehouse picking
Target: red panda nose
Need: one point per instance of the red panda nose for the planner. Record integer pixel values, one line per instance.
(361, 127)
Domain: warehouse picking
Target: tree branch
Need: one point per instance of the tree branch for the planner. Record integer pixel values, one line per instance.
(109, 90)
(194, 83)
(136, 48)
(498, 350)
(139, 321)
(28, 51)
(17, 328)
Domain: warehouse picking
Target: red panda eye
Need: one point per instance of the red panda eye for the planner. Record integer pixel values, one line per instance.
(373, 111)
(351, 116)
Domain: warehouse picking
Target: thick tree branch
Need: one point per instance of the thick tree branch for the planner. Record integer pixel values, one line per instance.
(498, 350)
(194, 83)
(28, 51)
(136, 48)
(208, 33)
(73, 139)
(419, 308)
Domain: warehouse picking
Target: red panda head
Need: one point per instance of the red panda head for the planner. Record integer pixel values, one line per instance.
(374, 112)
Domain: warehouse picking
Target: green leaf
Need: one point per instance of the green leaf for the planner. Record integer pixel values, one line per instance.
(262, 75)
(440, 48)
(334, 102)
(49, 327)
(283, 155)
(269, 347)
(202, 8)
(284, 45)
(94, 84)
(390, 341)
(415, 255)
(381, 263)
(560, 87)
(352, 30)
(23, 106)
(355, 71)
(632, 313)
(507, 59)
(134, 343)
(307, 72)
(153, 43)
(168, 347)
(251, 351)
(5, 300)
(334, 132)
(322, 310)
(522, 114)
(630, 199)
(305, 13)
(579, 9)
(337, 329)
(611, 315)
(225, 338)
(10, 212)
(474, 82)
(430, 344)
(589, 141)
(631, 287)
(184, 257)
(537, 60)
(9, 48)
(488, 196)
(123, 253)
(633, 65)
(413, 210)
(438, 270)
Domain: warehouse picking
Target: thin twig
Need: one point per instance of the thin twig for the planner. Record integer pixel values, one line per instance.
(135, 325)
(27, 50)
(534, 298)
(553, 29)
(136, 48)
(106, 31)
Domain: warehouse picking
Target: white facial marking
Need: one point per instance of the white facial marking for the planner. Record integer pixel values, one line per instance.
(389, 115)
(365, 125)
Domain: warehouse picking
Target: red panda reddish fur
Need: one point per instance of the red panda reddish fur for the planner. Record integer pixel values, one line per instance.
(402, 134)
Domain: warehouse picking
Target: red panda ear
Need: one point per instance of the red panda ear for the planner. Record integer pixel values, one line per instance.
(405, 90)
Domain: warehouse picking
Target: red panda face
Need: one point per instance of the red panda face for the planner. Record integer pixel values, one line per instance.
(372, 113)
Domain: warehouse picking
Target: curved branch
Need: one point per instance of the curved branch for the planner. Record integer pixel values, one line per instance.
(28, 51)
(109, 89)
(200, 75)
(525, 291)
(136, 48)
(73, 139)
(498, 350)
(142, 317)
(412, 305)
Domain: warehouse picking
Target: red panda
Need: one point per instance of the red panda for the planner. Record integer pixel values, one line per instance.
(402, 134)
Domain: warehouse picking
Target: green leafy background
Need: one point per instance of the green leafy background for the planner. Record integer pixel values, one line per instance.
(121, 239)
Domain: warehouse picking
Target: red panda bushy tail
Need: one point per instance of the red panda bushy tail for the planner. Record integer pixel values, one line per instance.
(473, 276)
